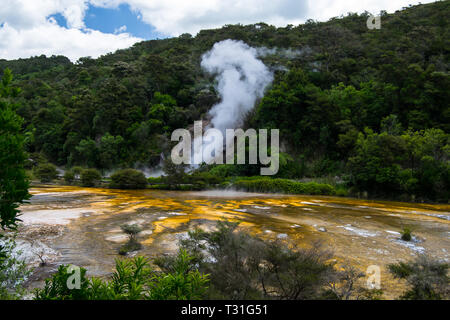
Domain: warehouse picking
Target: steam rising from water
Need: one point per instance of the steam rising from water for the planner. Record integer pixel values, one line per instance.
(242, 79)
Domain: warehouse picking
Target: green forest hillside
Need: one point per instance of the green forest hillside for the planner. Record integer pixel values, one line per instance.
(368, 106)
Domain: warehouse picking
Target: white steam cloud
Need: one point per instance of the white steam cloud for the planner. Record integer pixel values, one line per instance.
(242, 79)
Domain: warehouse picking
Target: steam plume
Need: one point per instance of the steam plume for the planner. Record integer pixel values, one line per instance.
(242, 79)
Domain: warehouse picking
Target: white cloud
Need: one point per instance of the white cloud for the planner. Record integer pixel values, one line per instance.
(120, 30)
(51, 39)
(28, 31)
(174, 17)
(323, 10)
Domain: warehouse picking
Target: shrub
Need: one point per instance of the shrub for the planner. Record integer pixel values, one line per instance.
(90, 177)
(56, 287)
(259, 184)
(128, 179)
(13, 272)
(45, 172)
(203, 179)
(224, 170)
(69, 176)
(132, 245)
(133, 279)
(341, 192)
(77, 170)
(182, 282)
(155, 180)
(242, 266)
(427, 278)
(406, 234)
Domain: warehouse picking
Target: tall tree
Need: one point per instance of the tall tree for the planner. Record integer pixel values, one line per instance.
(13, 180)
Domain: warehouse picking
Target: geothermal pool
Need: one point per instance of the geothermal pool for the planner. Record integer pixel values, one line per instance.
(81, 226)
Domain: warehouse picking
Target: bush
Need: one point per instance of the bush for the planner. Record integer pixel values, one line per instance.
(242, 266)
(69, 176)
(261, 184)
(90, 177)
(406, 234)
(57, 287)
(133, 279)
(203, 179)
(77, 171)
(128, 179)
(45, 172)
(155, 180)
(13, 272)
(427, 278)
(224, 170)
(132, 245)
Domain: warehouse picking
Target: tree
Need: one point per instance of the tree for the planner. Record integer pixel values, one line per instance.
(69, 176)
(174, 174)
(13, 180)
(90, 177)
(128, 179)
(87, 152)
(132, 230)
(13, 186)
(110, 150)
(45, 172)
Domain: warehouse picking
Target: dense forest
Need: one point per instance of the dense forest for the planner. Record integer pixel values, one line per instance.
(369, 107)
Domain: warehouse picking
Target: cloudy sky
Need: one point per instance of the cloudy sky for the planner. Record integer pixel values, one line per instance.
(79, 28)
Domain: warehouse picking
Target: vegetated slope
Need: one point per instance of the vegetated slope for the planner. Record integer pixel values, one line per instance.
(348, 101)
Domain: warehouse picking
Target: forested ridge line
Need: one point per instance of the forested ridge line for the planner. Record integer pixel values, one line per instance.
(367, 106)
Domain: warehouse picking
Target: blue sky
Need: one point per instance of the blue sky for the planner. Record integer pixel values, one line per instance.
(110, 20)
(115, 20)
(81, 28)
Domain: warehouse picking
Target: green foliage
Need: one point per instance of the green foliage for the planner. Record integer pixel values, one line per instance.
(128, 179)
(69, 176)
(261, 184)
(131, 229)
(155, 180)
(406, 234)
(110, 151)
(182, 282)
(132, 245)
(242, 266)
(342, 104)
(56, 288)
(13, 272)
(45, 172)
(13, 179)
(90, 177)
(427, 278)
(174, 174)
(77, 170)
(413, 163)
(224, 170)
(133, 279)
